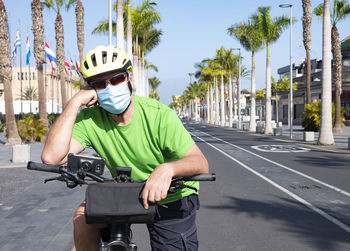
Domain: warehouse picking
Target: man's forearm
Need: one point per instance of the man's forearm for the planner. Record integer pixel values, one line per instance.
(57, 143)
(192, 163)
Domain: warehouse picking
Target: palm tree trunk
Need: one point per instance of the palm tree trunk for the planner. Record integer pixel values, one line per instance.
(39, 54)
(308, 77)
(277, 107)
(5, 76)
(216, 101)
(337, 59)
(196, 109)
(135, 73)
(268, 127)
(307, 19)
(222, 103)
(211, 105)
(252, 123)
(238, 101)
(230, 101)
(120, 25)
(61, 57)
(208, 102)
(233, 99)
(326, 134)
(129, 33)
(79, 13)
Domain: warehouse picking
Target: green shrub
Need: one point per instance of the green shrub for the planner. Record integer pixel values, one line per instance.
(52, 118)
(31, 129)
(311, 118)
(2, 126)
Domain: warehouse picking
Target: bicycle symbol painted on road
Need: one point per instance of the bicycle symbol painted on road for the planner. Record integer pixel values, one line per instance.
(281, 148)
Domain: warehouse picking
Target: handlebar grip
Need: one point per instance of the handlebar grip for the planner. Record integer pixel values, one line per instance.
(201, 177)
(43, 167)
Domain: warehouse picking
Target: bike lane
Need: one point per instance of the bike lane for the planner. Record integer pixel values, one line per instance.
(324, 200)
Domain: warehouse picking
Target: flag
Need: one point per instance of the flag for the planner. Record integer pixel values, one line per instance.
(50, 55)
(66, 67)
(73, 67)
(17, 44)
(77, 65)
(27, 50)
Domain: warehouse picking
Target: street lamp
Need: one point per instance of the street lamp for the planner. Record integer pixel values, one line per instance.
(291, 71)
(239, 87)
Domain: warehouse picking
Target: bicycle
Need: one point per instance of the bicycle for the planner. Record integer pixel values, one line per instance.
(119, 216)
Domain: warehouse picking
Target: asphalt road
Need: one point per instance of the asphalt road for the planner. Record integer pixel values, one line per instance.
(262, 200)
(259, 202)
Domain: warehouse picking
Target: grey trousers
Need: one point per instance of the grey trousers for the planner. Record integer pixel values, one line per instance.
(175, 226)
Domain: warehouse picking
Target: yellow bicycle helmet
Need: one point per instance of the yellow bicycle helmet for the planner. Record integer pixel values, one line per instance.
(104, 60)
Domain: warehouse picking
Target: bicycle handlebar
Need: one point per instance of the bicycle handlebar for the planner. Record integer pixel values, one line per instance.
(43, 167)
(61, 169)
(201, 177)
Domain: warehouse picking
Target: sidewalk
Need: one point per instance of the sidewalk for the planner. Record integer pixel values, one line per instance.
(35, 153)
(341, 139)
(341, 144)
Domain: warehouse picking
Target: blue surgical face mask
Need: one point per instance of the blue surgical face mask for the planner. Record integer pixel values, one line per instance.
(114, 99)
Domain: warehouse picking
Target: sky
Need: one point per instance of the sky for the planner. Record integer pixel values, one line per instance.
(192, 31)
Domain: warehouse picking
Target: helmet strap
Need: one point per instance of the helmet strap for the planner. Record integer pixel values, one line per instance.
(130, 87)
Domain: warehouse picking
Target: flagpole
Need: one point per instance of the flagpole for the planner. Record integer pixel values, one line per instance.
(30, 85)
(20, 66)
(52, 89)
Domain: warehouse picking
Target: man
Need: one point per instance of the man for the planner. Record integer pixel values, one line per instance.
(131, 131)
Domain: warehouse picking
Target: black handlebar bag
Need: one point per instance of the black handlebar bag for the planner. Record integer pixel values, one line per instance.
(116, 203)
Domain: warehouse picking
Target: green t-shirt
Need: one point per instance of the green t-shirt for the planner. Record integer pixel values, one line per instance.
(155, 135)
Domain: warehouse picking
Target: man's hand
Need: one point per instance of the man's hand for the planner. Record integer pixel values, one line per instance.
(86, 96)
(157, 185)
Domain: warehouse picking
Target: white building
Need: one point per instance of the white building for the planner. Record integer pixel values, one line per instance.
(28, 78)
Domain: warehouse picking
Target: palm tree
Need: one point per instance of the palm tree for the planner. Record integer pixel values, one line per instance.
(144, 35)
(260, 95)
(205, 78)
(340, 10)
(271, 29)
(251, 39)
(307, 18)
(39, 54)
(5, 77)
(197, 92)
(221, 61)
(283, 85)
(209, 71)
(79, 14)
(154, 95)
(230, 64)
(57, 5)
(30, 93)
(154, 83)
(129, 31)
(120, 25)
(326, 134)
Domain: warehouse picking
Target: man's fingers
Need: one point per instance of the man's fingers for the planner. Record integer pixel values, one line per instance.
(144, 197)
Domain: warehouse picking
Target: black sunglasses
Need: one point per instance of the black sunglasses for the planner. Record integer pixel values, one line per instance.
(115, 80)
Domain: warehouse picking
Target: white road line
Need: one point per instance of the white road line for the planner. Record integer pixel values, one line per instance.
(294, 196)
(285, 167)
